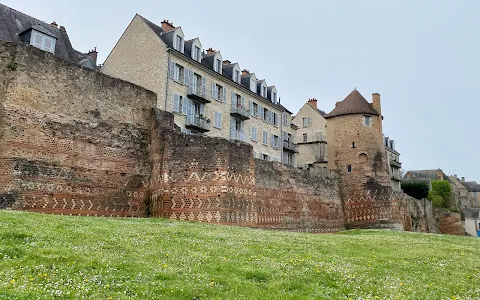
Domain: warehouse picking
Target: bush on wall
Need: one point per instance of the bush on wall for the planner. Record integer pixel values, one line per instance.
(441, 192)
(416, 189)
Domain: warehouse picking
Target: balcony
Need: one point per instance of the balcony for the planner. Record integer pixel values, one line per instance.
(197, 123)
(240, 112)
(289, 146)
(198, 94)
(395, 164)
(237, 135)
(318, 138)
(395, 177)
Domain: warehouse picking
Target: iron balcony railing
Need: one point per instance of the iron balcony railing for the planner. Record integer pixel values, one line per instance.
(241, 111)
(237, 135)
(396, 177)
(199, 123)
(198, 93)
(290, 146)
(395, 163)
(313, 139)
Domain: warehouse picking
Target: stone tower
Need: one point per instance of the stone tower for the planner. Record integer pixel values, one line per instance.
(356, 151)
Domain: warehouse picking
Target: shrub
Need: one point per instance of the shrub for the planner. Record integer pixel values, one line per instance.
(436, 199)
(443, 189)
(416, 189)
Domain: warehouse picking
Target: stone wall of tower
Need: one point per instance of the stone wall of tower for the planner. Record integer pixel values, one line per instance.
(356, 152)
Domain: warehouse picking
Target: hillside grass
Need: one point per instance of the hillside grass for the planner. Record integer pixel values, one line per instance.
(46, 256)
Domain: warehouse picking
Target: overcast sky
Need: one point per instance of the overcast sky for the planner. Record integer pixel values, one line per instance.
(421, 56)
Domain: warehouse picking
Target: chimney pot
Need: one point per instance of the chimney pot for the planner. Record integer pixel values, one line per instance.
(93, 54)
(463, 179)
(313, 102)
(54, 24)
(167, 25)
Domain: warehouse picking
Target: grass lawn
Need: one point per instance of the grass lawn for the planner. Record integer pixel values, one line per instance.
(46, 256)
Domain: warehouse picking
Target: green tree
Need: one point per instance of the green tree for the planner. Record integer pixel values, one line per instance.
(417, 189)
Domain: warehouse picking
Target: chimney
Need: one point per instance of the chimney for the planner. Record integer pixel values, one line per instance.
(376, 103)
(167, 25)
(93, 54)
(245, 72)
(54, 24)
(210, 51)
(439, 174)
(226, 62)
(463, 179)
(313, 102)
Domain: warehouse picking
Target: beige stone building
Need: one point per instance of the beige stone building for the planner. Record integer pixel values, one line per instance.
(394, 164)
(207, 94)
(311, 135)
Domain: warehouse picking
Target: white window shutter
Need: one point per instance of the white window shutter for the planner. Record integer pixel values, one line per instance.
(234, 104)
(224, 95)
(271, 140)
(204, 85)
(202, 110)
(243, 101)
(186, 76)
(213, 90)
(251, 108)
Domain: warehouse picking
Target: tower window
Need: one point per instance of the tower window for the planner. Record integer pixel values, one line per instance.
(367, 121)
(353, 145)
(349, 169)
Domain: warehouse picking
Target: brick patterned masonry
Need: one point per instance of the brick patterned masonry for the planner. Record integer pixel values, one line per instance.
(74, 141)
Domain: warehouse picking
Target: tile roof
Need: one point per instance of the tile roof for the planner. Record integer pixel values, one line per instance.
(424, 175)
(354, 103)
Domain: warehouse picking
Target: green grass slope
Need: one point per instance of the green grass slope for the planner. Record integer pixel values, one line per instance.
(45, 257)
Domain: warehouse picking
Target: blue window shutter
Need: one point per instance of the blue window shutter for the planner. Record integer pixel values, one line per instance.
(176, 103)
(271, 140)
(224, 95)
(172, 69)
(186, 75)
(243, 101)
(204, 84)
(251, 108)
(234, 104)
(184, 105)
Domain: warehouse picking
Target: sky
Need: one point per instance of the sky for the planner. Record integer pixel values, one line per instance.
(423, 57)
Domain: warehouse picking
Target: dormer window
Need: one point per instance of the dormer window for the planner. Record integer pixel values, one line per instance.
(43, 41)
(236, 76)
(197, 54)
(178, 43)
(264, 91)
(274, 97)
(218, 65)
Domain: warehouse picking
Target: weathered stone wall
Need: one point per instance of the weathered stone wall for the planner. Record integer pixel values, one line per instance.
(214, 180)
(416, 215)
(449, 222)
(72, 140)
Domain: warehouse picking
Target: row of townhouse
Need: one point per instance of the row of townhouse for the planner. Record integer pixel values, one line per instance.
(207, 94)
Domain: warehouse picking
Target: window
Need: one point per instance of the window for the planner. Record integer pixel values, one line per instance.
(275, 141)
(43, 41)
(265, 114)
(265, 157)
(179, 104)
(363, 158)
(367, 121)
(237, 76)
(275, 119)
(305, 138)
(253, 85)
(217, 120)
(197, 54)
(349, 169)
(307, 121)
(179, 73)
(353, 145)
(265, 138)
(219, 92)
(218, 66)
(274, 97)
(179, 43)
(254, 134)
(255, 109)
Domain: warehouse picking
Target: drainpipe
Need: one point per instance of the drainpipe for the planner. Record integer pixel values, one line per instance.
(168, 80)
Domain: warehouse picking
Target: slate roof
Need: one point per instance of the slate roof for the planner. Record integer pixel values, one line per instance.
(424, 175)
(472, 186)
(354, 103)
(13, 23)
